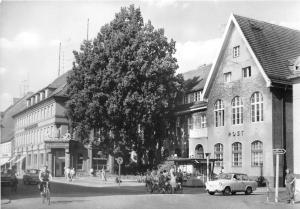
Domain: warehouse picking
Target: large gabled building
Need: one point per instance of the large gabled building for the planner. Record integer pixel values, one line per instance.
(250, 97)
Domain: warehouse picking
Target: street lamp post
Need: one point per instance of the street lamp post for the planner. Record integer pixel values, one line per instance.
(207, 165)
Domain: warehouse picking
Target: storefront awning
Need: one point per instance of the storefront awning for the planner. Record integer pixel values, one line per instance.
(21, 158)
(12, 159)
(4, 161)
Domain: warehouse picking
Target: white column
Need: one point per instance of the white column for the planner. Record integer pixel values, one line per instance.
(296, 135)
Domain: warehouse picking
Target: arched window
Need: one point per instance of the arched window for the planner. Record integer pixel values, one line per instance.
(219, 154)
(237, 154)
(257, 107)
(237, 110)
(219, 113)
(256, 153)
(199, 152)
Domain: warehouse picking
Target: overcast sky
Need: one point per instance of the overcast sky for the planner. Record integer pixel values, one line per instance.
(30, 33)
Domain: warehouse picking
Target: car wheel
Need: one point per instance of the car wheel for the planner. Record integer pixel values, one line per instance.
(227, 191)
(211, 193)
(248, 191)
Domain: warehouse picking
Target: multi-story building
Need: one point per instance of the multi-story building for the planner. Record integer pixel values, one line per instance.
(191, 129)
(7, 130)
(42, 134)
(39, 130)
(250, 97)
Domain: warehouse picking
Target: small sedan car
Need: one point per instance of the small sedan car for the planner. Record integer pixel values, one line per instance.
(8, 178)
(31, 176)
(230, 183)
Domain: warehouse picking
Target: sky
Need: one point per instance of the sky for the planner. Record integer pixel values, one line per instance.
(30, 33)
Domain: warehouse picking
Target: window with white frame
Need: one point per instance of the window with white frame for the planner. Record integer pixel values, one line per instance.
(218, 149)
(203, 121)
(190, 122)
(237, 110)
(237, 154)
(219, 113)
(236, 51)
(256, 153)
(227, 77)
(41, 158)
(257, 107)
(197, 121)
(246, 72)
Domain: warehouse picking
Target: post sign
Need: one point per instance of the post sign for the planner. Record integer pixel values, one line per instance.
(119, 160)
(277, 152)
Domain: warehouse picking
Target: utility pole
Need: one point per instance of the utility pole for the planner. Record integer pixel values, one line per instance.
(59, 58)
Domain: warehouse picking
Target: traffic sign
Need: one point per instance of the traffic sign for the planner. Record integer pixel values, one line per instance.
(119, 160)
(279, 151)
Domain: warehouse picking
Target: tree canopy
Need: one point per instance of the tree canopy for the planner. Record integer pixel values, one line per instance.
(123, 86)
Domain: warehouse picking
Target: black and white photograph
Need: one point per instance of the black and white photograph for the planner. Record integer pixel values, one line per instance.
(150, 104)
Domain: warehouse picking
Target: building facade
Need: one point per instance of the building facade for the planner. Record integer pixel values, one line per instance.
(42, 134)
(7, 130)
(250, 98)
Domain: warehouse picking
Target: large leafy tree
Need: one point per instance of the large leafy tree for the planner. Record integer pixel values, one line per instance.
(123, 85)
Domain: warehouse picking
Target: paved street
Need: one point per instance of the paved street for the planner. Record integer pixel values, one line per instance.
(93, 193)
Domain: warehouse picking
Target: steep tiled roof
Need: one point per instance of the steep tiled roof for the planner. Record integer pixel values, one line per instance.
(59, 81)
(7, 121)
(195, 79)
(273, 46)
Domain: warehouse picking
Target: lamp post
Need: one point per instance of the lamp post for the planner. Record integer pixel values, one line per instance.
(207, 165)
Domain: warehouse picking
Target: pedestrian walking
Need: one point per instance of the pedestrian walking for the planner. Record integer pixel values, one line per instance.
(67, 173)
(72, 174)
(290, 185)
(103, 174)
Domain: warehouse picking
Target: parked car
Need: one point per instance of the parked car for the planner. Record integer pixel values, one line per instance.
(31, 176)
(8, 178)
(230, 183)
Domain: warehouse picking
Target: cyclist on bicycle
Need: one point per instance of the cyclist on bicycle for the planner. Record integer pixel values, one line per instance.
(44, 176)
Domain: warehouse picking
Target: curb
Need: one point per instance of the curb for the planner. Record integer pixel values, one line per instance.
(5, 201)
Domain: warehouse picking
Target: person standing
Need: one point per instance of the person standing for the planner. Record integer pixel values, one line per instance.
(173, 179)
(290, 185)
(103, 174)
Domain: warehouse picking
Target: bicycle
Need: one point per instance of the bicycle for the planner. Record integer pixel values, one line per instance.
(46, 193)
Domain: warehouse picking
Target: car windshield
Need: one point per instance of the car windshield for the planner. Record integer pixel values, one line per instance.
(225, 176)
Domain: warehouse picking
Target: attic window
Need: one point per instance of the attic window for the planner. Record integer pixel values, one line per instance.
(236, 51)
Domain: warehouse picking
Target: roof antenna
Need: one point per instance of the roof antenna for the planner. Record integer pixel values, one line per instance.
(87, 29)
(59, 58)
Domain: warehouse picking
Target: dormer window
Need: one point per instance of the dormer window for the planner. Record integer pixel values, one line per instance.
(297, 67)
(46, 93)
(236, 51)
